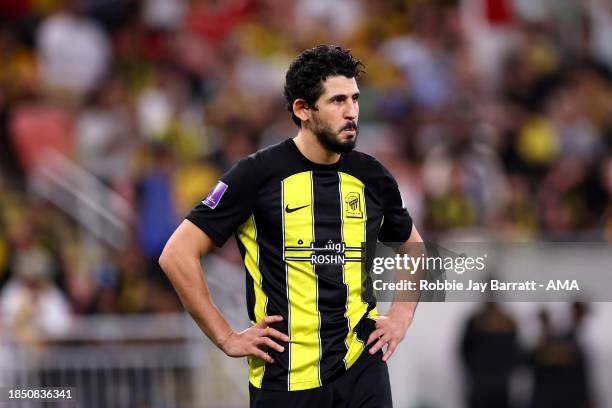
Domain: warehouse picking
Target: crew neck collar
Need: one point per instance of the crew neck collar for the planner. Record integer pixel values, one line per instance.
(294, 147)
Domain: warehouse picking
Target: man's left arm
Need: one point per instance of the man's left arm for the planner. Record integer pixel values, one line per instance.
(392, 326)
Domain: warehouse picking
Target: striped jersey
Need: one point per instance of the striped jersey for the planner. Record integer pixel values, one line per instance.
(305, 231)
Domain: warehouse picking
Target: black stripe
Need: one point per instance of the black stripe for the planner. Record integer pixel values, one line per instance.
(274, 284)
(364, 328)
(331, 288)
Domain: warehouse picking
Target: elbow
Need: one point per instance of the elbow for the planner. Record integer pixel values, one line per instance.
(166, 259)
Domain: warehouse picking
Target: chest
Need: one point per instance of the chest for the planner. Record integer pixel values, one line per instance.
(319, 207)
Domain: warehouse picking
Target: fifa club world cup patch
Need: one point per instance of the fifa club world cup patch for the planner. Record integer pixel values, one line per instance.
(214, 196)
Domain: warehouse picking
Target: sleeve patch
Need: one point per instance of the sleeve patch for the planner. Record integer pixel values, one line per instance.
(214, 196)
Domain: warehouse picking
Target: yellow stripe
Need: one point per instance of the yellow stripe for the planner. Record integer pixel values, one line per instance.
(247, 234)
(353, 233)
(304, 319)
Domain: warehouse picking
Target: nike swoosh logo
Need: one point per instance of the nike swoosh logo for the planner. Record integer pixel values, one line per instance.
(290, 210)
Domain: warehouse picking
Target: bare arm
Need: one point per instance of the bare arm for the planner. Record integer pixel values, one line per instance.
(180, 260)
(391, 327)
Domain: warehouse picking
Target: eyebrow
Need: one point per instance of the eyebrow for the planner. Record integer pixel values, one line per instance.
(341, 96)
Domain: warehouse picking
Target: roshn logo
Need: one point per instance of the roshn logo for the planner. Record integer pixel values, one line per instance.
(214, 196)
(329, 253)
(353, 205)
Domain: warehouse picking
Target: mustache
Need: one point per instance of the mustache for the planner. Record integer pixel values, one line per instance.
(349, 126)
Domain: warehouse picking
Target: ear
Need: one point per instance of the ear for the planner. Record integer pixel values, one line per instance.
(301, 109)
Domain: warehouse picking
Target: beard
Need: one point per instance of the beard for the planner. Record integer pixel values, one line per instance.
(330, 140)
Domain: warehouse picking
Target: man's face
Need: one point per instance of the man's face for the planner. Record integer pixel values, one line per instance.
(334, 119)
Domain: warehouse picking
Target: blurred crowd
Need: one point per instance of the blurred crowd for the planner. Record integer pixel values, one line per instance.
(558, 363)
(495, 117)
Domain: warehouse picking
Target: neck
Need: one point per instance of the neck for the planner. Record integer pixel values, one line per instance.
(308, 144)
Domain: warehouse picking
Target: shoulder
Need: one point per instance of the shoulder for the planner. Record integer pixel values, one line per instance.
(363, 159)
(364, 162)
(268, 156)
(260, 162)
(272, 162)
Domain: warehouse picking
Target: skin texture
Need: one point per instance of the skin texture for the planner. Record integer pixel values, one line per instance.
(334, 116)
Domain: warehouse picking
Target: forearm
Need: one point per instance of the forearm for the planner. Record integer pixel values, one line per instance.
(187, 277)
(404, 311)
(404, 304)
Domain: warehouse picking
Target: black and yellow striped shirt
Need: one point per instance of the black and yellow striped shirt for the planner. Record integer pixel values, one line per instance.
(301, 228)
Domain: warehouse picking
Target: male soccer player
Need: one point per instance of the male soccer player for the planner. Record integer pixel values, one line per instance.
(301, 210)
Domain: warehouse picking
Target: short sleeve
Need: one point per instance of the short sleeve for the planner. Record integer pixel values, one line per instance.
(228, 204)
(397, 223)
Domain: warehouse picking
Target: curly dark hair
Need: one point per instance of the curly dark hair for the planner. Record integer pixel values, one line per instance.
(304, 79)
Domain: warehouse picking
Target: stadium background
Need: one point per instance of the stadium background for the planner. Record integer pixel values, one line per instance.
(116, 117)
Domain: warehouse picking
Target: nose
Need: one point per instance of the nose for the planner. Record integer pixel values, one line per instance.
(352, 110)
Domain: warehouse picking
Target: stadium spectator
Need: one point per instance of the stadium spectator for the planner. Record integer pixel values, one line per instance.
(74, 51)
(31, 305)
(559, 366)
(489, 348)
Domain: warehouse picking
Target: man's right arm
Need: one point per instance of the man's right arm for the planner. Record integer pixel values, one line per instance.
(180, 260)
